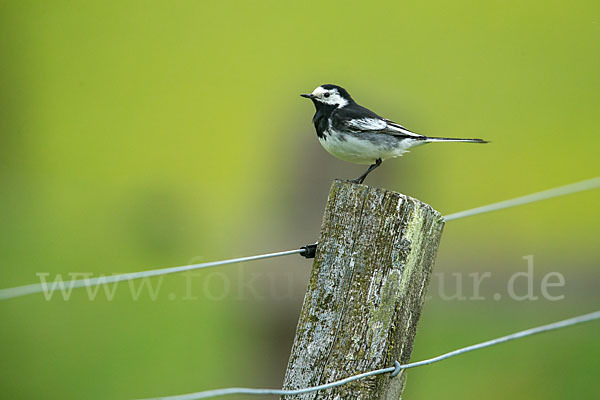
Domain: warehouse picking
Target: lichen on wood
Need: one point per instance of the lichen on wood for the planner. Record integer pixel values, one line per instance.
(364, 298)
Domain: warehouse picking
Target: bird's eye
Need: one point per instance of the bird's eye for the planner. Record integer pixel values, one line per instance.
(327, 94)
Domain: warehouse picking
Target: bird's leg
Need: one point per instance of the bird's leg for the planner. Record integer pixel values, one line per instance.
(361, 178)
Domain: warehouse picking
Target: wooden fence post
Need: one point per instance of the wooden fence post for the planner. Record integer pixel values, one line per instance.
(365, 294)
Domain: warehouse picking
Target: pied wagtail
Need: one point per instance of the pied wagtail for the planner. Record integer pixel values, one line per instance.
(354, 133)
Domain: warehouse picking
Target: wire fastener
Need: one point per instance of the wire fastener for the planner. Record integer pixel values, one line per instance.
(310, 250)
(398, 367)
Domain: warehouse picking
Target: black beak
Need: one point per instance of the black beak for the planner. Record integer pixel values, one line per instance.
(307, 95)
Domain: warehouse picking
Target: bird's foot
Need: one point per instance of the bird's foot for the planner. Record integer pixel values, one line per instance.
(358, 181)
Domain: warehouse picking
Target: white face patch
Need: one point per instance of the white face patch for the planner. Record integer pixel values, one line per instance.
(330, 96)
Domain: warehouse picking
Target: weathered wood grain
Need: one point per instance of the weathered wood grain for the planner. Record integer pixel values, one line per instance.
(366, 291)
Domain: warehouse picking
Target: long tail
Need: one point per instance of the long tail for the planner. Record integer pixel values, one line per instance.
(444, 139)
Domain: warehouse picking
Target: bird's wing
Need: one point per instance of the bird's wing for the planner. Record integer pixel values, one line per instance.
(391, 125)
(379, 125)
(360, 119)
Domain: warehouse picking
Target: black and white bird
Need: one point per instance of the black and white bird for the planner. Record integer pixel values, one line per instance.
(354, 133)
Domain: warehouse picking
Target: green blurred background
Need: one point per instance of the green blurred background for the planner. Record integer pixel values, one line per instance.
(143, 134)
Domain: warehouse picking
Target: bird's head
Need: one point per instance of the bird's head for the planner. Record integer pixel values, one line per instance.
(329, 95)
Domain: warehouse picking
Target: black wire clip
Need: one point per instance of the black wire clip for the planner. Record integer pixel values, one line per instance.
(309, 250)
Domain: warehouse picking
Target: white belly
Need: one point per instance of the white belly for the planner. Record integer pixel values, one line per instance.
(362, 151)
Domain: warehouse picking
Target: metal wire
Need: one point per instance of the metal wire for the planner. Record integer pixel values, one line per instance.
(546, 194)
(393, 370)
(39, 287)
